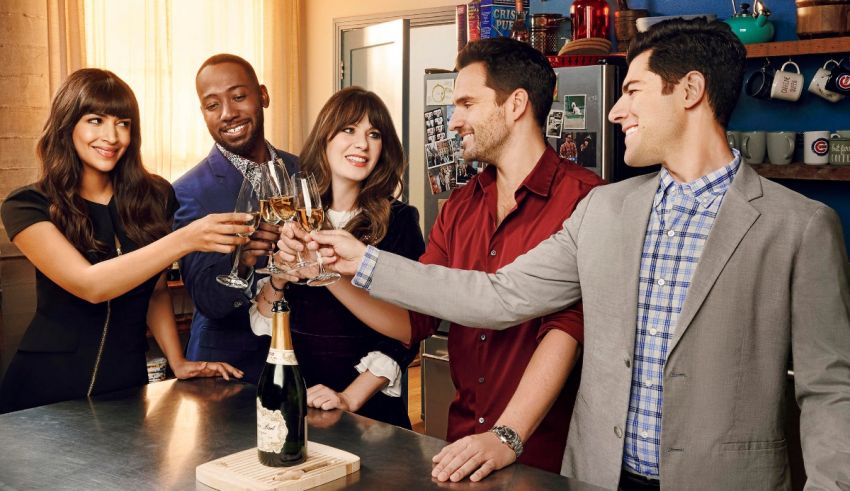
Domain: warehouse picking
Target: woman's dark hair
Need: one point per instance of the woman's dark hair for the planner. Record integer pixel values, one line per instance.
(347, 107)
(512, 65)
(139, 195)
(679, 46)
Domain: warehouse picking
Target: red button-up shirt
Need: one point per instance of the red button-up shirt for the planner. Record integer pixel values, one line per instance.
(487, 365)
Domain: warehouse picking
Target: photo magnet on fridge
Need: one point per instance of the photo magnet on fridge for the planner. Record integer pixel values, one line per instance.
(439, 92)
(574, 112)
(554, 123)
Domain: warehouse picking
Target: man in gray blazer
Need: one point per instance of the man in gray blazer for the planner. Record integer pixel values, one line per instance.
(698, 283)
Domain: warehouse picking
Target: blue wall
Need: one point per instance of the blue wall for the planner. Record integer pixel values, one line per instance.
(809, 113)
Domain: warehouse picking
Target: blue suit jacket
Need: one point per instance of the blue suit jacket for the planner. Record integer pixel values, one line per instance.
(220, 327)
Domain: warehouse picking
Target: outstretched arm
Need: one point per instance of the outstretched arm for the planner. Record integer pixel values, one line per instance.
(64, 265)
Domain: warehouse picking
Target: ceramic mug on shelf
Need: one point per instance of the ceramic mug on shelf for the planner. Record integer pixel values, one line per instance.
(839, 79)
(753, 146)
(787, 86)
(818, 83)
(780, 147)
(816, 147)
(734, 139)
(759, 83)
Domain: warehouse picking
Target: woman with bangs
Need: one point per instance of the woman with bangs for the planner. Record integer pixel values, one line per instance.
(96, 227)
(357, 158)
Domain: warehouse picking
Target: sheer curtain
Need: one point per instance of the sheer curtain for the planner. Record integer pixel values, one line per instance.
(156, 46)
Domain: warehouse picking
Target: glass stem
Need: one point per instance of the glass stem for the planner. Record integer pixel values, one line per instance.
(236, 261)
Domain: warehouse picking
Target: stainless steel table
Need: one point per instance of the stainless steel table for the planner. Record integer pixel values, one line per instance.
(153, 437)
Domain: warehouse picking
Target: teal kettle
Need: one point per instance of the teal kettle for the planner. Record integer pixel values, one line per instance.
(751, 27)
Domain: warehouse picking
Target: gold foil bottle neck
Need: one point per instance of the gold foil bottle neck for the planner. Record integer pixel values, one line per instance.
(281, 336)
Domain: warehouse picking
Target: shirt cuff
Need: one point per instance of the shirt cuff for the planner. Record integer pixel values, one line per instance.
(382, 365)
(260, 324)
(363, 277)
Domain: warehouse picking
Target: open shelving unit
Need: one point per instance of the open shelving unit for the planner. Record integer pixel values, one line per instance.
(798, 48)
(804, 171)
(802, 47)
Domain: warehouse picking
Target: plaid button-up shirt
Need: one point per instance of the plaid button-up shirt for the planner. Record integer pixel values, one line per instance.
(681, 219)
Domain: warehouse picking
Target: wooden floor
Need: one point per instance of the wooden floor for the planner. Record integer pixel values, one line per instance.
(414, 399)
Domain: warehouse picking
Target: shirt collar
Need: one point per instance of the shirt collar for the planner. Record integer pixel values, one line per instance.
(241, 162)
(703, 190)
(538, 181)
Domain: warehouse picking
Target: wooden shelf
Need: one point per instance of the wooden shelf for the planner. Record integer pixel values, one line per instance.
(804, 171)
(797, 48)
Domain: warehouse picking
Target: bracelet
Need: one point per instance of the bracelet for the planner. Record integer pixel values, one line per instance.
(281, 289)
(509, 437)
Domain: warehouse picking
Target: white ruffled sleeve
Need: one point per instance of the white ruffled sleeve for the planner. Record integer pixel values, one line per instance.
(380, 365)
(260, 324)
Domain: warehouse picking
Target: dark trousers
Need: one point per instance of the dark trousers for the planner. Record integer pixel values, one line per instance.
(634, 482)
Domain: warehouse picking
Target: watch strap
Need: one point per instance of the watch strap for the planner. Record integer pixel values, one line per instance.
(509, 437)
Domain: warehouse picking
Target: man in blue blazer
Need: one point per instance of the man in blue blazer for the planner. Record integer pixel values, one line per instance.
(232, 102)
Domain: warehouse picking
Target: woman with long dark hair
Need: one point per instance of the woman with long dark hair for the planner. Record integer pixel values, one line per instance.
(358, 161)
(96, 227)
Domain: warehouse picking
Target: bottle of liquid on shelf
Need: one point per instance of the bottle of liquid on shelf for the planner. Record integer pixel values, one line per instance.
(519, 29)
(589, 18)
(281, 399)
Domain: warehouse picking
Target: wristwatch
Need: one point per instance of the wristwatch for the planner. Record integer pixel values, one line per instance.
(509, 437)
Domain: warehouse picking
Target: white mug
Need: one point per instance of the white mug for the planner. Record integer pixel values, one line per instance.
(816, 147)
(734, 139)
(787, 86)
(818, 83)
(753, 146)
(780, 147)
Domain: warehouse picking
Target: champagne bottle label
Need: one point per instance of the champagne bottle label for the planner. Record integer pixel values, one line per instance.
(281, 357)
(271, 429)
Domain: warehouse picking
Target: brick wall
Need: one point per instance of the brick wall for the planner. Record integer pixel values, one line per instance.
(24, 95)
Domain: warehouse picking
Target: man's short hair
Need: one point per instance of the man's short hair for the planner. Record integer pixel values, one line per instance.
(512, 65)
(228, 58)
(679, 46)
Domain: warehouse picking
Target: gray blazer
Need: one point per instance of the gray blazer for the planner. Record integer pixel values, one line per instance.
(772, 281)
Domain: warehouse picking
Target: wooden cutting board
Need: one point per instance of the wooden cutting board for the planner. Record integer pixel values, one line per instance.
(243, 470)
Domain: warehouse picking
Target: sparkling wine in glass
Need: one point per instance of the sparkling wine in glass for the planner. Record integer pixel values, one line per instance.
(311, 216)
(276, 203)
(247, 201)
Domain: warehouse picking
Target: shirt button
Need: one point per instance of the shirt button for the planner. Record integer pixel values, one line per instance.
(618, 432)
(653, 331)
(644, 434)
(661, 282)
(481, 420)
(237, 304)
(493, 252)
(647, 383)
(671, 233)
(628, 363)
(480, 380)
(483, 337)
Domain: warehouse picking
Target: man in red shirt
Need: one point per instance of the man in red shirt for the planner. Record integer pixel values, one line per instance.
(511, 396)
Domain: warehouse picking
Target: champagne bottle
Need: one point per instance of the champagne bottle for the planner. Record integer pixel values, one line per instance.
(281, 399)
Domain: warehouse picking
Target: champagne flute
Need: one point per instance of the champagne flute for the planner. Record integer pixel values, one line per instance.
(276, 203)
(311, 216)
(246, 202)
